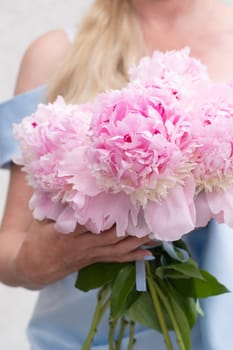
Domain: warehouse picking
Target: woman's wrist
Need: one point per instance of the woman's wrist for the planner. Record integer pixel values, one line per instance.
(20, 272)
(12, 268)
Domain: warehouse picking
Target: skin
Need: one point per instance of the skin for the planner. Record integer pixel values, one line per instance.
(32, 253)
(206, 26)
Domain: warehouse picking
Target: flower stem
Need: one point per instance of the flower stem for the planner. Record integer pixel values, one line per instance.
(123, 325)
(131, 335)
(101, 307)
(158, 308)
(172, 318)
(111, 340)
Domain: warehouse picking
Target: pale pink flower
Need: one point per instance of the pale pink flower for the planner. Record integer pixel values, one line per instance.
(213, 130)
(125, 159)
(175, 70)
(142, 146)
(45, 137)
(141, 143)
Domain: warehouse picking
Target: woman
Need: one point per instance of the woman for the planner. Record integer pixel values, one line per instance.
(113, 36)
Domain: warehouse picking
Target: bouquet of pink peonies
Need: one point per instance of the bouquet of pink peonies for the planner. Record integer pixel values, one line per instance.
(159, 148)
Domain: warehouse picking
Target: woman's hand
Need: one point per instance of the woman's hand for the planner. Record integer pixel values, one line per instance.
(46, 256)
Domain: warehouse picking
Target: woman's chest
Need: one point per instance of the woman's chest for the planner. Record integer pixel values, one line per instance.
(217, 54)
(219, 64)
(212, 45)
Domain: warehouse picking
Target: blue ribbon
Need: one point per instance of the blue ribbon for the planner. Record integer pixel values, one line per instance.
(176, 253)
(140, 276)
(141, 270)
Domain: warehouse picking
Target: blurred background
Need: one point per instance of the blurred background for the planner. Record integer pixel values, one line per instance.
(21, 22)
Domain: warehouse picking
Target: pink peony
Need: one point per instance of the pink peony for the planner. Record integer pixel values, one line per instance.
(174, 70)
(213, 130)
(140, 157)
(129, 158)
(45, 137)
(141, 143)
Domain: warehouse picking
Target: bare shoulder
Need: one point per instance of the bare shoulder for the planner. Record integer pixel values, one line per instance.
(42, 59)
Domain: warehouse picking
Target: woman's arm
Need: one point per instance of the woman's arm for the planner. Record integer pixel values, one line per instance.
(32, 253)
(38, 65)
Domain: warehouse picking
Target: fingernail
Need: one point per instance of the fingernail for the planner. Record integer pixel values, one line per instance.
(149, 257)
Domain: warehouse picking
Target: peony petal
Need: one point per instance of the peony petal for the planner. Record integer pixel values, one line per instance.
(138, 227)
(43, 207)
(221, 204)
(75, 167)
(66, 221)
(189, 190)
(105, 210)
(202, 210)
(171, 218)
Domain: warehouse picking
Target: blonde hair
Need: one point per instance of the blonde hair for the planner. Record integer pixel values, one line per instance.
(108, 42)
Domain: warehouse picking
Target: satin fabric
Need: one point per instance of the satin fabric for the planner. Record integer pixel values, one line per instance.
(62, 317)
(12, 111)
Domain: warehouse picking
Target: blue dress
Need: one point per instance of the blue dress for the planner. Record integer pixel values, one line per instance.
(62, 314)
(12, 111)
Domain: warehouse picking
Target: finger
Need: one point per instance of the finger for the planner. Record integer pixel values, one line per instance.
(152, 243)
(136, 255)
(130, 243)
(112, 238)
(106, 238)
(114, 252)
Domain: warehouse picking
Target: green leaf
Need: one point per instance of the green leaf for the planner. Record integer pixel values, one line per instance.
(187, 304)
(181, 244)
(121, 287)
(97, 275)
(131, 299)
(180, 270)
(200, 311)
(142, 311)
(198, 288)
(182, 322)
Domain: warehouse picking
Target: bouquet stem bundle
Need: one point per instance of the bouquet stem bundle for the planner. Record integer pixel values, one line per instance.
(170, 303)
